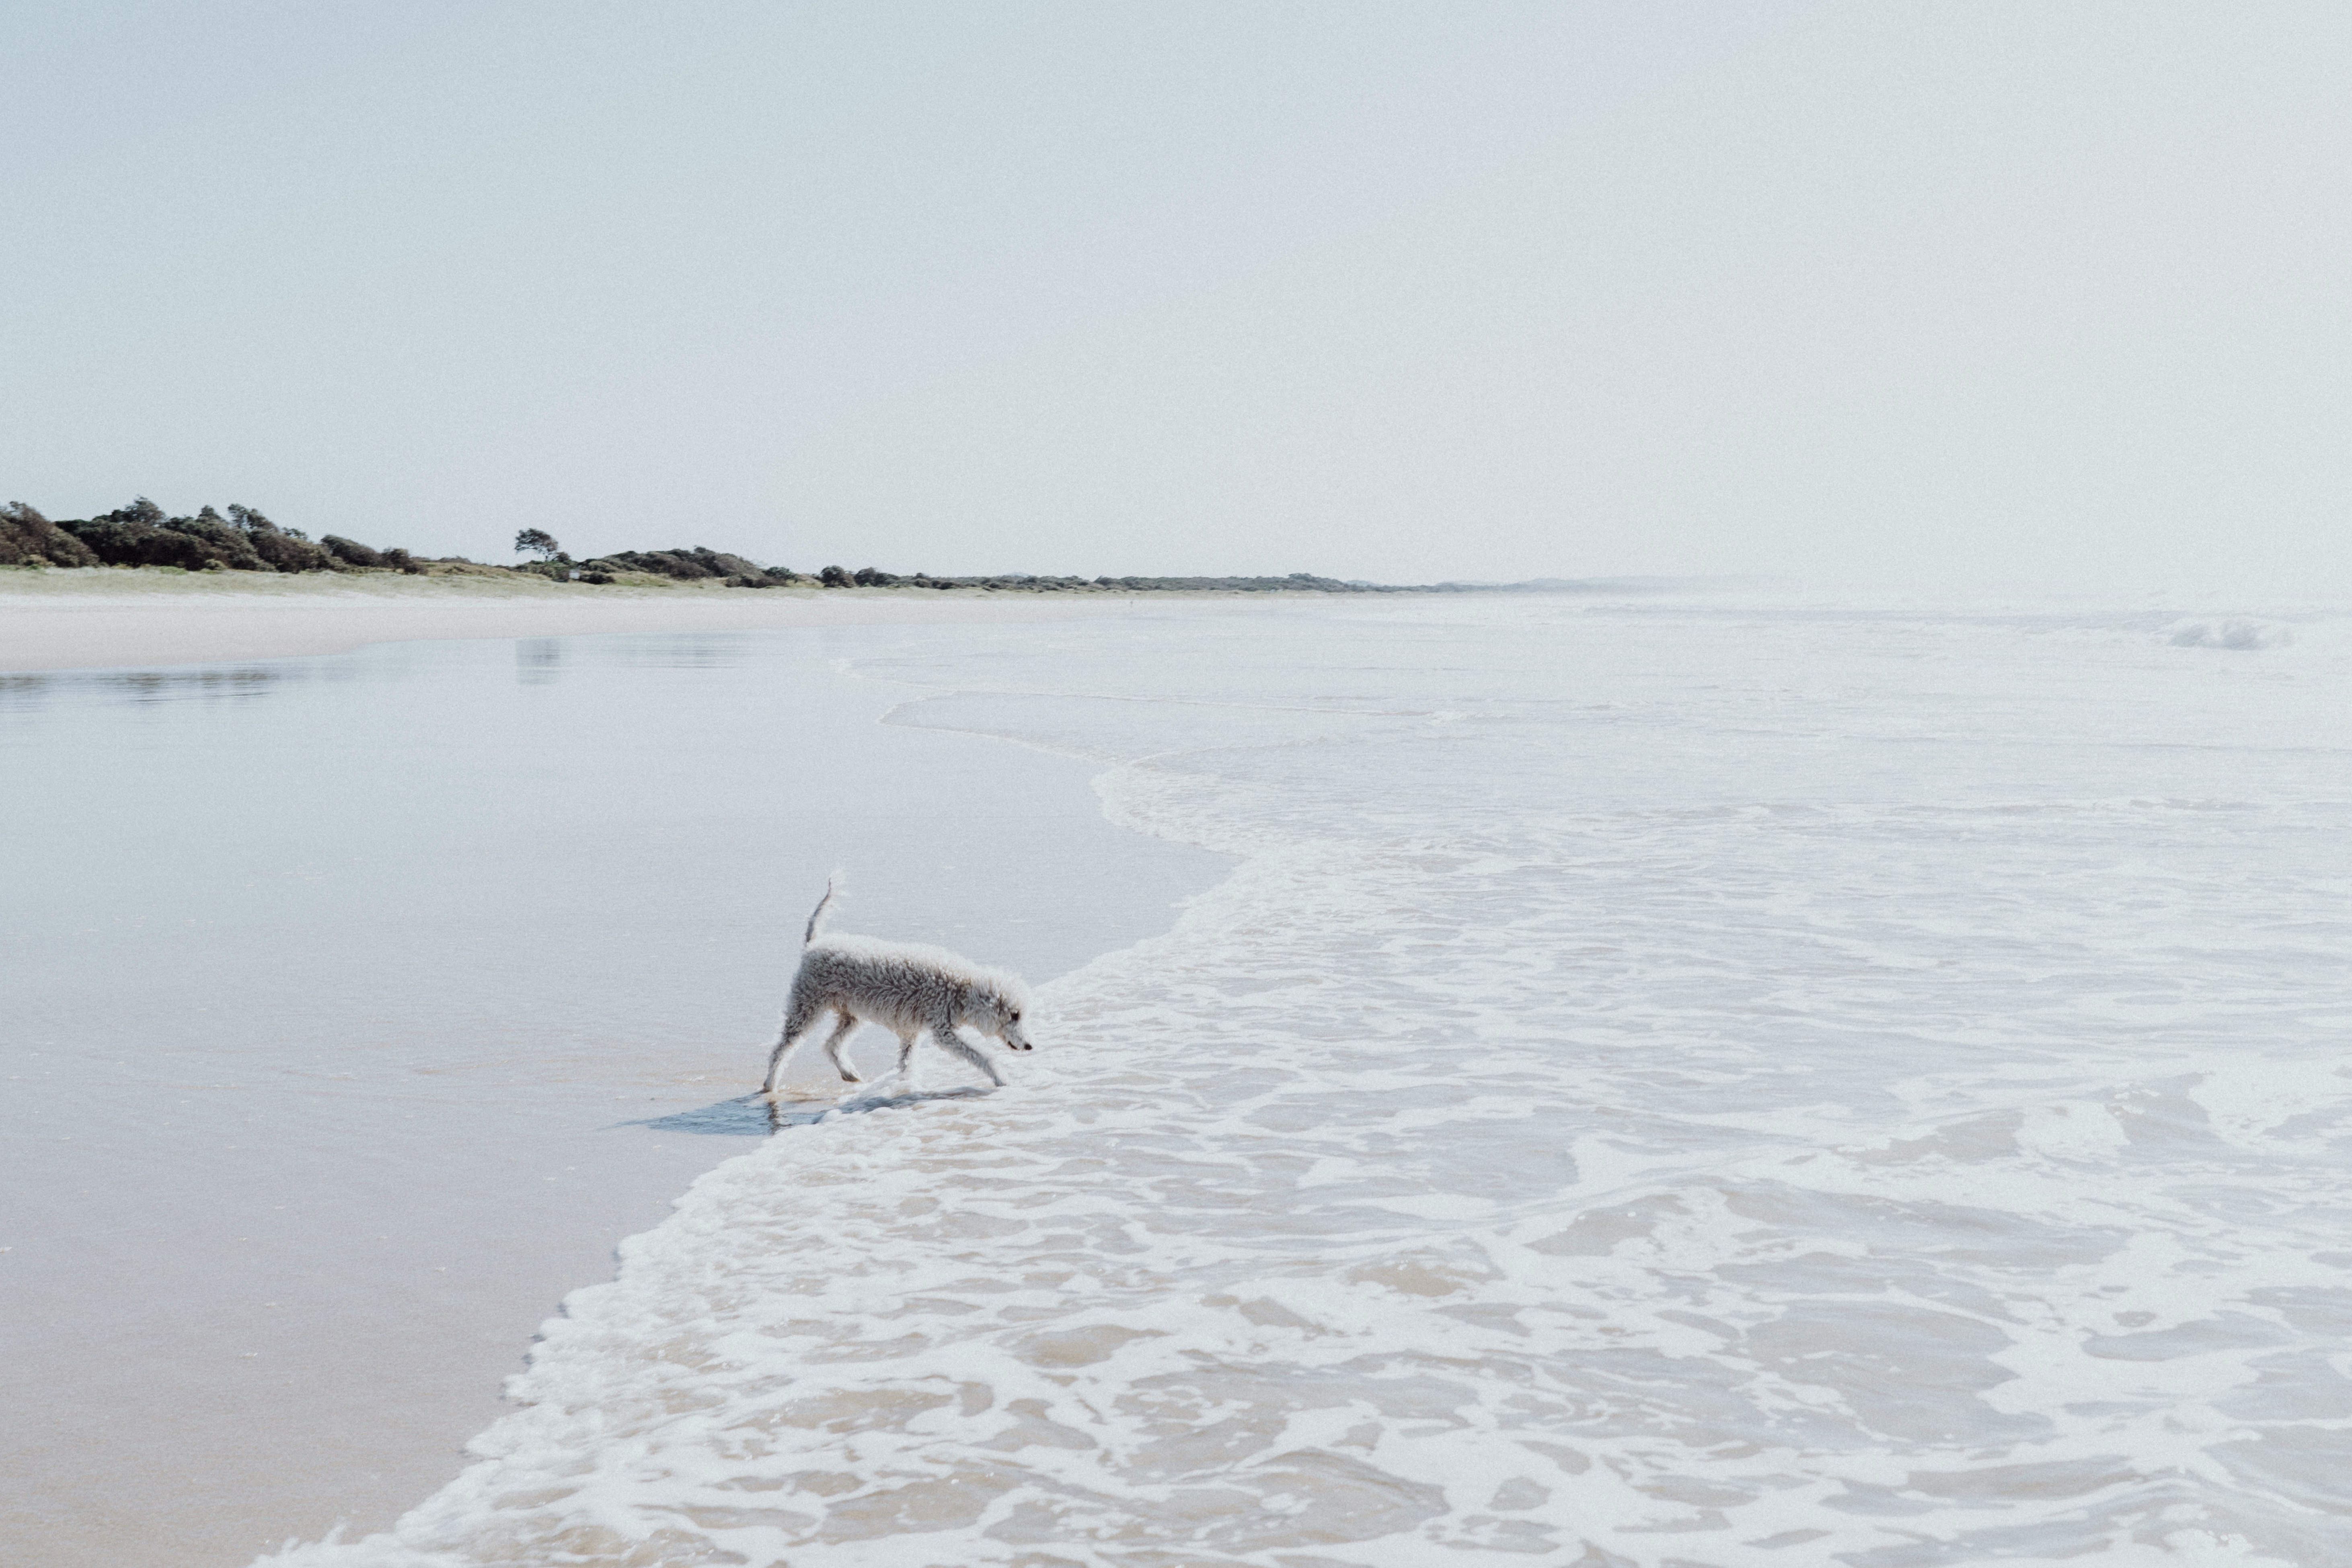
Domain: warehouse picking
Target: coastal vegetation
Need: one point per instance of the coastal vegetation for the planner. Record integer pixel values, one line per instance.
(143, 535)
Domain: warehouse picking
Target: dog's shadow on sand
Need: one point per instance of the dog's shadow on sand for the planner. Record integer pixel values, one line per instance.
(756, 1116)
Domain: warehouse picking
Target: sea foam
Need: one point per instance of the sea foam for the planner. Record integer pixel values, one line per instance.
(1666, 1085)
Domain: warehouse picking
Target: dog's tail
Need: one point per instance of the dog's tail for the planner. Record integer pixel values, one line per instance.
(816, 915)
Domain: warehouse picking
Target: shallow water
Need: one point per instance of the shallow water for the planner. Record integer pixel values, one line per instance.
(1686, 1084)
(352, 1008)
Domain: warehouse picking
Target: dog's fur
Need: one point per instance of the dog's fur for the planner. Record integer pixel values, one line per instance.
(903, 987)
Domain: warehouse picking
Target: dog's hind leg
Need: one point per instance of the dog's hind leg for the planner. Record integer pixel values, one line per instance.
(944, 1032)
(798, 1016)
(839, 1037)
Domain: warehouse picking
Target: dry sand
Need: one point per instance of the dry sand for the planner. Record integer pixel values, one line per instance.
(101, 618)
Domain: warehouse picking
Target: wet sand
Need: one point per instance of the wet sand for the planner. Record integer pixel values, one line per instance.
(360, 1004)
(100, 619)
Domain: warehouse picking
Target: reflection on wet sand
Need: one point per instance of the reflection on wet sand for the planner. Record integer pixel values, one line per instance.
(538, 660)
(23, 693)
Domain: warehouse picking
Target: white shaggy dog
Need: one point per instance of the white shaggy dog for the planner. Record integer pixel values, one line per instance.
(903, 987)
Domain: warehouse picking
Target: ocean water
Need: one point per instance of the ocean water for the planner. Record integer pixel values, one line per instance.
(1691, 1083)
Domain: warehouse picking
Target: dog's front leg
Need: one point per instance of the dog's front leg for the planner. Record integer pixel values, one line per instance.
(943, 1030)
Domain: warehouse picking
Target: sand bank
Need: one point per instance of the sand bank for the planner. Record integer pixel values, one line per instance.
(103, 618)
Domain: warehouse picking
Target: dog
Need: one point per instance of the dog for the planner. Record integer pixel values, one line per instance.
(905, 987)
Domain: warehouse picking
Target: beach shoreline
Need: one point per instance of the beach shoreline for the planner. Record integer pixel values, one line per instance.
(112, 618)
(280, 1241)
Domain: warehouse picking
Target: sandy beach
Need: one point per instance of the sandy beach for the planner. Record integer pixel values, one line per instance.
(103, 618)
(360, 1001)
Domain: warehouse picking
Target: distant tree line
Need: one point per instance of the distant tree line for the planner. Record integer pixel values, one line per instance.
(698, 562)
(142, 534)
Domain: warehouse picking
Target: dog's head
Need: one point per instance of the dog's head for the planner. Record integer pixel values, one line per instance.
(999, 1011)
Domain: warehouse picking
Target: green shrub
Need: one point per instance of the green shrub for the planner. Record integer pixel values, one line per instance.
(285, 549)
(352, 553)
(29, 539)
(224, 545)
(695, 563)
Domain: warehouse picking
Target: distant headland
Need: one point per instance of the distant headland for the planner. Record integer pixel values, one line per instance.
(142, 534)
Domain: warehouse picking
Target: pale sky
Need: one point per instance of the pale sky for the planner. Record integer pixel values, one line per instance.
(1439, 291)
